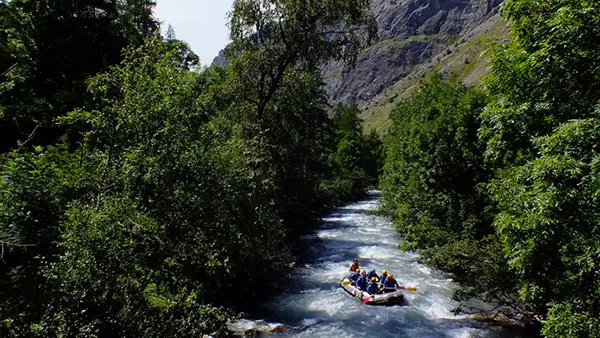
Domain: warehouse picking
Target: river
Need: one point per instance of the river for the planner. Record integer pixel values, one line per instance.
(315, 306)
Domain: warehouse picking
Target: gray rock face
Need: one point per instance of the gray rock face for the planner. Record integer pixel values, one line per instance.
(220, 59)
(412, 17)
(411, 33)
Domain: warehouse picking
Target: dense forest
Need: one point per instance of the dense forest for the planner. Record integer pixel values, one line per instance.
(501, 186)
(142, 195)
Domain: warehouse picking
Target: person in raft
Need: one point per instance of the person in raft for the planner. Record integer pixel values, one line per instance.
(354, 266)
(383, 276)
(353, 277)
(390, 284)
(361, 282)
(372, 274)
(372, 287)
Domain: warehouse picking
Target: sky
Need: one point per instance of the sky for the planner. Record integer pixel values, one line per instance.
(200, 23)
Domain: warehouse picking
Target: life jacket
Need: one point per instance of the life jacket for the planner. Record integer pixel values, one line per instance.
(372, 274)
(372, 288)
(353, 267)
(390, 283)
(353, 276)
(361, 282)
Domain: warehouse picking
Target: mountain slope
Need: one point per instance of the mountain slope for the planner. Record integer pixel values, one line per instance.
(415, 38)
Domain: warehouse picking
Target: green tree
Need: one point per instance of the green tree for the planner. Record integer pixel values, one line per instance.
(277, 48)
(151, 220)
(51, 48)
(371, 155)
(192, 175)
(177, 199)
(541, 135)
(271, 37)
(358, 156)
(354, 159)
(348, 134)
(547, 75)
(34, 194)
(118, 275)
(433, 186)
(547, 222)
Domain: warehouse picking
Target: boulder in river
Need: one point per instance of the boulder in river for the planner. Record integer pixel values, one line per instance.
(253, 328)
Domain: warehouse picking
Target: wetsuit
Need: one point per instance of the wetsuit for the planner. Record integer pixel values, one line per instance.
(372, 273)
(361, 282)
(390, 284)
(353, 277)
(372, 288)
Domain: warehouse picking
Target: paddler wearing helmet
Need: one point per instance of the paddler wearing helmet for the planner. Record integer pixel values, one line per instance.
(353, 277)
(362, 280)
(372, 274)
(383, 275)
(372, 287)
(390, 284)
(353, 266)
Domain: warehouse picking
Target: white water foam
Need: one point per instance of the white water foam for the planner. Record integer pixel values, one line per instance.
(317, 307)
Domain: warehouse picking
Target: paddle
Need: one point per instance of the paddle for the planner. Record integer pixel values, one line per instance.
(407, 288)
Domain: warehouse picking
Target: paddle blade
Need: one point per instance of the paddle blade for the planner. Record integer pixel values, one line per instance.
(408, 288)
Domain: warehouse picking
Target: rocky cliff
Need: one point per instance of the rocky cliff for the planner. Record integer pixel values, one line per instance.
(220, 59)
(415, 37)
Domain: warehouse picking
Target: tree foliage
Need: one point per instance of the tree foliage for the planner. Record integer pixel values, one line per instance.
(434, 186)
(49, 48)
(275, 54)
(272, 37)
(545, 76)
(548, 221)
(546, 198)
(159, 201)
(357, 158)
(513, 183)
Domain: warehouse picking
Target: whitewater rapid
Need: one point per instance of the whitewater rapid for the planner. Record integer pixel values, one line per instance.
(315, 306)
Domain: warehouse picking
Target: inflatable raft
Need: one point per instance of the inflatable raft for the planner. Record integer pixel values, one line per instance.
(389, 298)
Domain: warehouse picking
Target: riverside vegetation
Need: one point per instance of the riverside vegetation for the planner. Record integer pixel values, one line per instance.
(501, 187)
(142, 196)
